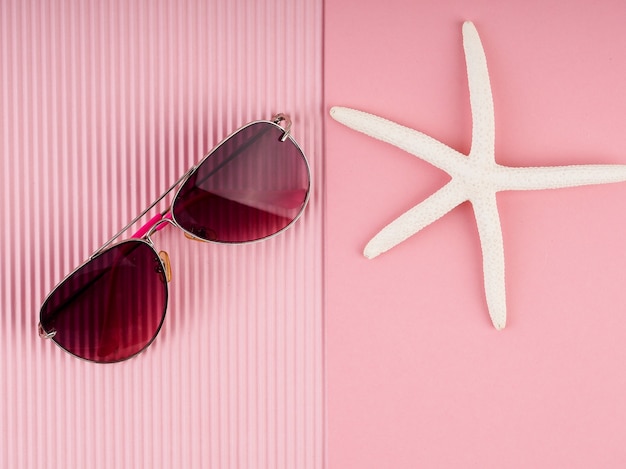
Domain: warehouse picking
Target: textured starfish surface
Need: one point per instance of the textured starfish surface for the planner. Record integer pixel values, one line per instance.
(475, 177)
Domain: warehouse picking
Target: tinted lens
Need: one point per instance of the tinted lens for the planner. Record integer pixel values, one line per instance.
(250, 187)
(110, 308)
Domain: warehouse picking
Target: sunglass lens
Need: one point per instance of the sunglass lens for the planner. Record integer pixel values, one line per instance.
(250, 187)
(112, 307)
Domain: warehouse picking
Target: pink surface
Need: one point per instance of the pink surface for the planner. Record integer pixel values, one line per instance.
(103, 105)
(117, 99)
(416, 374)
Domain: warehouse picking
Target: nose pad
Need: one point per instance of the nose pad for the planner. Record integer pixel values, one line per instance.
(191, 237)
(204, 235)
(166, 263)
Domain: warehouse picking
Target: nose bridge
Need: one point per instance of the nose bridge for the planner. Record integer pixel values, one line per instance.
(158, 225)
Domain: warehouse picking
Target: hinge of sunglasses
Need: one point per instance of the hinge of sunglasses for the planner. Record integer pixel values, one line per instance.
(44, 334)
(277, 119)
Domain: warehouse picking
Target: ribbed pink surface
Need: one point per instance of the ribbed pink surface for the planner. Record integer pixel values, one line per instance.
(103, 104)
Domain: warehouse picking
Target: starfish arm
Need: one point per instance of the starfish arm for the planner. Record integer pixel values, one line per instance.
(490, 233)
(410, 140)
(413, 220)
(481, 100)
(555, 177)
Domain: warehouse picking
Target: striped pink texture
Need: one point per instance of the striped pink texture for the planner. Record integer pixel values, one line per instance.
(103, 104)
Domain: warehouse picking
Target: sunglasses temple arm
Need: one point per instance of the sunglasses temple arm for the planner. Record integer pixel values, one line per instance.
(153, 221)
(150, 223)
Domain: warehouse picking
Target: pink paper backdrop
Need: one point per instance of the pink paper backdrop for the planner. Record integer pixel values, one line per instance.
(103, 104)
(416, 374)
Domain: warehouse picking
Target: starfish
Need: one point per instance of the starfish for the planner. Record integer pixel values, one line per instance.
(475, 177)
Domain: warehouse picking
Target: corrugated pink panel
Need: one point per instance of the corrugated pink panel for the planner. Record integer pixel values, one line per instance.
(103, 104)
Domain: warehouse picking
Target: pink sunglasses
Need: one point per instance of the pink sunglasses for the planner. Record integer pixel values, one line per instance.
(252, 186)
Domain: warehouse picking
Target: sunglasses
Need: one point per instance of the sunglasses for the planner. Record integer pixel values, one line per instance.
(252, 186)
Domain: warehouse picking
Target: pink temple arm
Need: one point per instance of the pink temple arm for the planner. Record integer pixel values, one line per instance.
(153, 221)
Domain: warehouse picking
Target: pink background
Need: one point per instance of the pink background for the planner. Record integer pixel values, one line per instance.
(416, 374)
(102, 104)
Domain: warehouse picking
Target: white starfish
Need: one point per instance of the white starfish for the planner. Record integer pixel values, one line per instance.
(475, 177)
